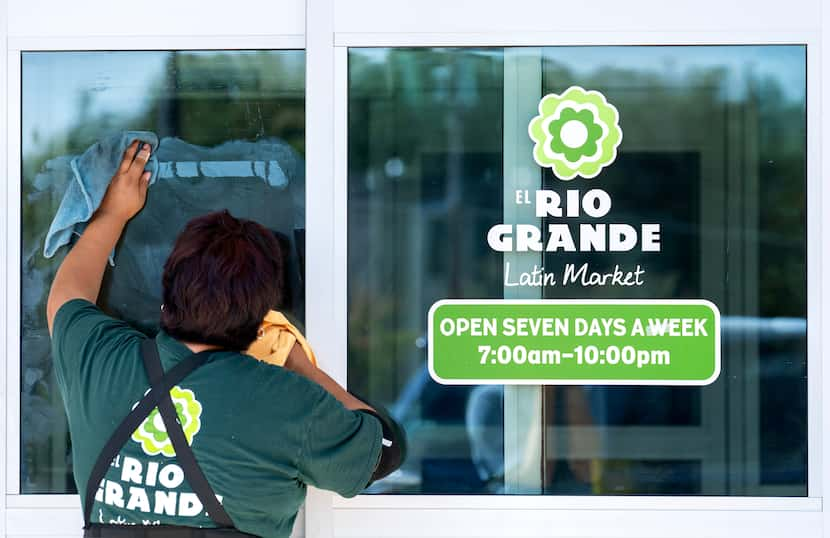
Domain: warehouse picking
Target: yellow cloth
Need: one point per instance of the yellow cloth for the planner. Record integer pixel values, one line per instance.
(276, 338)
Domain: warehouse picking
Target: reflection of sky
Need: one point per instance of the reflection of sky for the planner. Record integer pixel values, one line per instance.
(56, 84)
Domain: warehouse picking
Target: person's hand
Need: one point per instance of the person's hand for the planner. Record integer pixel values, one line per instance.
(127, 190)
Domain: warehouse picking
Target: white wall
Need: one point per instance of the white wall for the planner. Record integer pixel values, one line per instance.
(528, 16)
(82, 18)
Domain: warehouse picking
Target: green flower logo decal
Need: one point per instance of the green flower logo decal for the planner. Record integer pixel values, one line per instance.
(152, 435)
(576, 133)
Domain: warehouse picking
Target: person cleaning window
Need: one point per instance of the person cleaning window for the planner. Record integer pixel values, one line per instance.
(186, 433)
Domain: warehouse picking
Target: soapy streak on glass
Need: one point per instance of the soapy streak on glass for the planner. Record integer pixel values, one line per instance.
(268, 171)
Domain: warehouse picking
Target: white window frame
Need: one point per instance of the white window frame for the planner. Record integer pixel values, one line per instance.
(60, 515)
(326, 33)
(571, 516)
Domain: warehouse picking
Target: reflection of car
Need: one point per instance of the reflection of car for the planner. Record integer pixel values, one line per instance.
(455, 433)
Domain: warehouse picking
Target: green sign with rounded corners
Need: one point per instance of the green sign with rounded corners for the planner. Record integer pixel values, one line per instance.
(574, 342)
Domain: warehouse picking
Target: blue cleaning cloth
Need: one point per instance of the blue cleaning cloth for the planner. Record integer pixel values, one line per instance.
(91, 174)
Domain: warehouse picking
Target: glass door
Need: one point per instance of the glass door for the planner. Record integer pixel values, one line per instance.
(713, 151)
(229, 127)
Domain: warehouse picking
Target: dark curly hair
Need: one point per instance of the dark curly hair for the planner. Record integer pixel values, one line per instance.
(221, 278)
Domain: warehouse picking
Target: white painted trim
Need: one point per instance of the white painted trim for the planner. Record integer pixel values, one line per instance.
(818, 79)
(156, 42)
(43, 501)
(45, 522)
(817, 326)
(566, 502)
(572, 37)
(322, 296)
(525, 16)
(12, 280)
(155, 17)
(339, 301)
(576, 523)
(5, 395)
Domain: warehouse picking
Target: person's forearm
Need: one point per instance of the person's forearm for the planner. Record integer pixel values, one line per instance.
(81, 273)
(333, 387)
(299, 363)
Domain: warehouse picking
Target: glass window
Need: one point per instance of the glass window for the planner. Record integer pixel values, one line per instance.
(231, 126)
(714, 150)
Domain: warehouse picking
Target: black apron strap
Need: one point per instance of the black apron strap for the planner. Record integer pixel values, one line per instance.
(124, 430)
(184, 454)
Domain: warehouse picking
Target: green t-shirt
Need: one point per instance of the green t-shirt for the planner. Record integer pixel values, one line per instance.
(260, 433)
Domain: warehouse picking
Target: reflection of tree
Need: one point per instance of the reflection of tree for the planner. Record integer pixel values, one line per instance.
(781, 166)
(782, 173)
(207, 99)
(202, 98)
(369, 314)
